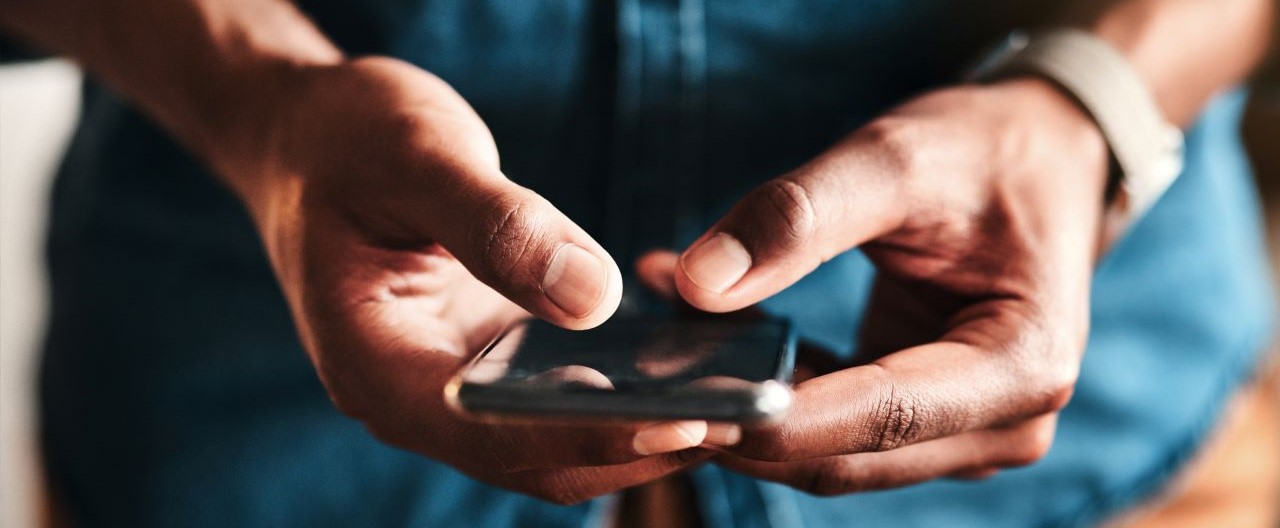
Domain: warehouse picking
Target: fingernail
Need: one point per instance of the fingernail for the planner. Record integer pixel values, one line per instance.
(668, 437)
(717, 263)
(575, 280)
(723, 434)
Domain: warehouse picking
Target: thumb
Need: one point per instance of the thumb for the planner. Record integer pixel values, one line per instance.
(784, 229)
(519, 244)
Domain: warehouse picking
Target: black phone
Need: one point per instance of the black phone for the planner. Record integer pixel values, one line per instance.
(633, 368)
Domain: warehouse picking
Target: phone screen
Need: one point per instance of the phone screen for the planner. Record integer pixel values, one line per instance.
(634, 367)
(630, 354)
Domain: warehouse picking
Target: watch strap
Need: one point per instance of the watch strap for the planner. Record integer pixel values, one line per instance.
(1147, 149)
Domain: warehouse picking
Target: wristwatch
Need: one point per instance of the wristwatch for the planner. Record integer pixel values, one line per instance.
(1146, 150)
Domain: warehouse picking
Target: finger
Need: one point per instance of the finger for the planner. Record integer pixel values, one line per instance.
(668, 437)
(722, 434)
(657, 271)
(574, 485)
(514, 448)
(520, 245)
(506, 448)
(784, 229)
(997, 368)
(976, 454)
(572, 375)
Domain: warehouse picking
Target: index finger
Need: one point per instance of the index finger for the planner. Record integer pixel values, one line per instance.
(787, 227)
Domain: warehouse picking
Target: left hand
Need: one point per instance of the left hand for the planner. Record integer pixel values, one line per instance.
(981, 207)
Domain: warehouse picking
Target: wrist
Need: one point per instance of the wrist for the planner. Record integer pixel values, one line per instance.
(232, 107)
(212, 73)
(231, 94)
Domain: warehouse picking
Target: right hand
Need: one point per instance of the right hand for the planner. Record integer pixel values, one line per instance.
(402, 249)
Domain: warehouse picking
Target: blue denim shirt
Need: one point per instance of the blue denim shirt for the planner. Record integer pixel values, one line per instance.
(175, 392)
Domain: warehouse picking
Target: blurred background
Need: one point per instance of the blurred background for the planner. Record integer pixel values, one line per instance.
(38, 104)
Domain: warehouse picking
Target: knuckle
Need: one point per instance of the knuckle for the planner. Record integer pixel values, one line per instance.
(1048, 362)
(791, 206)
(689, 456)
(895, 142)
(1055, 383)
(897, 420)
(1032, 445)
(770, 446)
(1064, 367)
(508, 230)
(829, 480)
(1058, 393)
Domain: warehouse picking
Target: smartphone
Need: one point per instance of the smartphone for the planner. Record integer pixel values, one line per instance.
(632, 368)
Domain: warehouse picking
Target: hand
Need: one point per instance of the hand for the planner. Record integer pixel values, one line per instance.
(981, 207)
(402, 249)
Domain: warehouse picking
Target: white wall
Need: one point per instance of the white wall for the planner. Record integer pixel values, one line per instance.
(38, 104)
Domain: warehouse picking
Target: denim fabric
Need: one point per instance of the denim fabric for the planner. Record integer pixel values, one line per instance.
(175, 392)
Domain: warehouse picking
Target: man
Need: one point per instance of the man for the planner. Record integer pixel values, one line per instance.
(396, 243)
